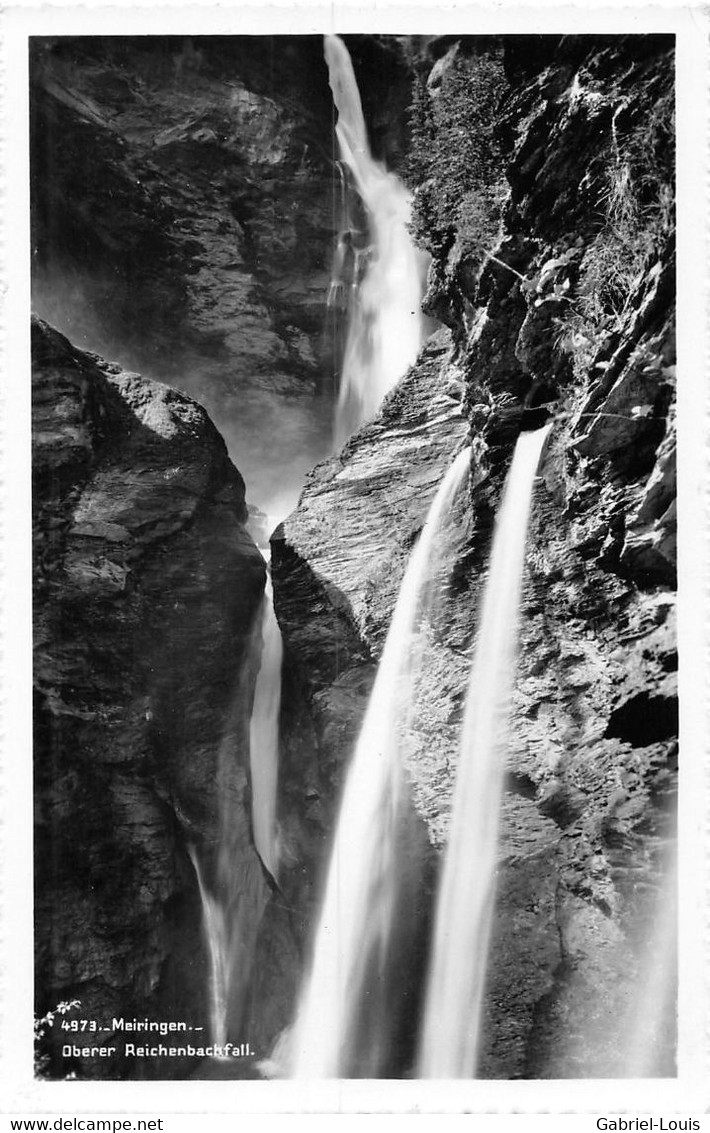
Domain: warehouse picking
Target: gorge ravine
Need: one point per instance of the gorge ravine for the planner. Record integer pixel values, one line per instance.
(140, 517)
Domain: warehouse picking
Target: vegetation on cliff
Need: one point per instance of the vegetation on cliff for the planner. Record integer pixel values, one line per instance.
(455, 162)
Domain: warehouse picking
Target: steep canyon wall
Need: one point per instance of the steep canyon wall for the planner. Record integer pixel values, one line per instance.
(568, 309)
(146, 588)
(183, 212)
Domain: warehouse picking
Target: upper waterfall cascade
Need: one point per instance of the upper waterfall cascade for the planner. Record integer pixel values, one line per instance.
(385, 323)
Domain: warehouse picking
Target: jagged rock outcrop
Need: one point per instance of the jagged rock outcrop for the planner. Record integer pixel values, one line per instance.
(337, 564)
(572, 313)
(146, 587)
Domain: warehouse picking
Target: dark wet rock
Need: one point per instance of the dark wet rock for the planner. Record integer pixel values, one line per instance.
(183, 222)
(190, 205)
(146, 588)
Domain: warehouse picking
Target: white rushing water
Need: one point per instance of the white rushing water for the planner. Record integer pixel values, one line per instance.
(650, 1028)
(264, 735)
(234, 900)
(359, 907)
(454, 995)
(385, 324)
(233, 904)
(217, 936)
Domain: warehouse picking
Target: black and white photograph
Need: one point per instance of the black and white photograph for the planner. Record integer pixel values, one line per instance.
(355, 661)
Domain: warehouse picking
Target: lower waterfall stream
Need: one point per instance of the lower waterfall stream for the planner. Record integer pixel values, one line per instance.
(264, 736)
(233, 907)
(385, 329)
(465, 900)
(353, 938)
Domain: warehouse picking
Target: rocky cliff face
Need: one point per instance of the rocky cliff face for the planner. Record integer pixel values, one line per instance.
(183, 220)
(182, 211)
(202, 212)
(147, 586)
(571, 310)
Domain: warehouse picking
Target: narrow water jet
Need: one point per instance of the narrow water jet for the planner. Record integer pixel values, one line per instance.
(264, 735)
(343, 1026)
(217, 937)
(456, 980)
(385, 324)
(234, 903)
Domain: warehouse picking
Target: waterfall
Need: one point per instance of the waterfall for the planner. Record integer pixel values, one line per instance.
(232, 908)
(234, 903)
(649, 1023)
(264, 735)
(456, 978)
(217, 936)
(385, 325)
(343, 1026)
